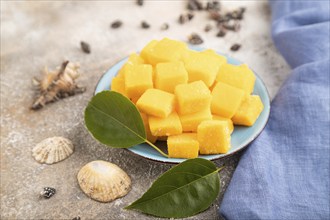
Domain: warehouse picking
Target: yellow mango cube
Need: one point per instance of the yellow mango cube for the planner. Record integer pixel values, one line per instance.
(169, 75)
(202, 66)
(183, 146)
(145, 120)
(138, 79)
(213, 137)
(249, 111)
(133, 59)
(241, 77)
(220, 59)
(226, 100)
(166, 50)
(118, 85)
(156, 102)
(190, 122)
(165, 126)
(227, 120)
(148, 50)
(192, 97)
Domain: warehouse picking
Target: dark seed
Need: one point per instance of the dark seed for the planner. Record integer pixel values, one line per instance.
(208, 28)
(194, 5)
(213, 5)
(145, 25)
(76, 218)
(235, 47)
(85, 47)
(139, 2)
(164, 26)
(232, 27)
(222, 32)
(182, 19)
(195, 39)
(190, 16)
(48, 192)
(116, 24)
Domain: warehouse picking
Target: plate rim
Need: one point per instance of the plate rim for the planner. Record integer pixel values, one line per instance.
(221, 156)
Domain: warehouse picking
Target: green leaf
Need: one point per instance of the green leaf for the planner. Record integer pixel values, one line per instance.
(183, 191)
(114, 120)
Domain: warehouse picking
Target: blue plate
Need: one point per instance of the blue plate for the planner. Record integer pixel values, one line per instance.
(240, 138)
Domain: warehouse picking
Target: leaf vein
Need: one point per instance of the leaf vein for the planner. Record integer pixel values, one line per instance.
(174, 189)
(119, 122)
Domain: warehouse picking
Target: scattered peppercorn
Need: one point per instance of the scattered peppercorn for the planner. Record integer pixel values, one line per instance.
(190, 16)
(222, 32)
(213, 5)
(76, 218)
(183, 18)
(139, 2)
(164, 26)
(207, 28)
(47, 192)
(195, 39)
(116, 24)
(194, 5)
(145, 25)
(232, 26)
(85, 47)
(235, 47)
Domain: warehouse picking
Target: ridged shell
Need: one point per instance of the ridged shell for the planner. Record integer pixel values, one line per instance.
(52, 150)
(103, 181)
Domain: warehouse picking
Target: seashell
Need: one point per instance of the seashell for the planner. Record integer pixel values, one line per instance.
(103, 181)
(52, 150)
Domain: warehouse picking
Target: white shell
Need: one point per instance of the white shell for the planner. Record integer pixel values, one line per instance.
(103, 181)
(52, 150)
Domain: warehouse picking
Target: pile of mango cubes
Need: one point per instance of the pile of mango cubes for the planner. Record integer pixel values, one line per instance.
(189, 99)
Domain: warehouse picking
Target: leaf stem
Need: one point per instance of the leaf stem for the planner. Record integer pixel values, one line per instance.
(156, 148)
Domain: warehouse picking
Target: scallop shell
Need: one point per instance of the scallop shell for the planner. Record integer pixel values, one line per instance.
(52, 150)
(103, 181)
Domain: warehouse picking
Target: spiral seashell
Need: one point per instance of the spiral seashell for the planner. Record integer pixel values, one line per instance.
(103, 181)
(52, 150)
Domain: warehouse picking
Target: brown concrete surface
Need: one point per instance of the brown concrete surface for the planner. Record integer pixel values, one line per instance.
(39, 33)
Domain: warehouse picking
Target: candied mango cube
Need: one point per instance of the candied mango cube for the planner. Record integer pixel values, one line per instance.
(165, 126)
(226, 100)
(183, 146)
(249, 111)
(118, 85)
(166, 50)
(169, 75)
(192, 97)
(213, 137)
(133, 59)
(220, 59)
(190, 122)
(150, 137)
(148, 50)
(156, 102)
(138, 79)
(241, 77)
(202, 66)
(228, 120)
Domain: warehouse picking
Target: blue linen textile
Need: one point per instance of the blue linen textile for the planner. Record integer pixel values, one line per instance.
(284, 173)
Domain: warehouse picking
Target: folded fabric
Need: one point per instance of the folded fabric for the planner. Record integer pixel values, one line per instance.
(285, 172)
